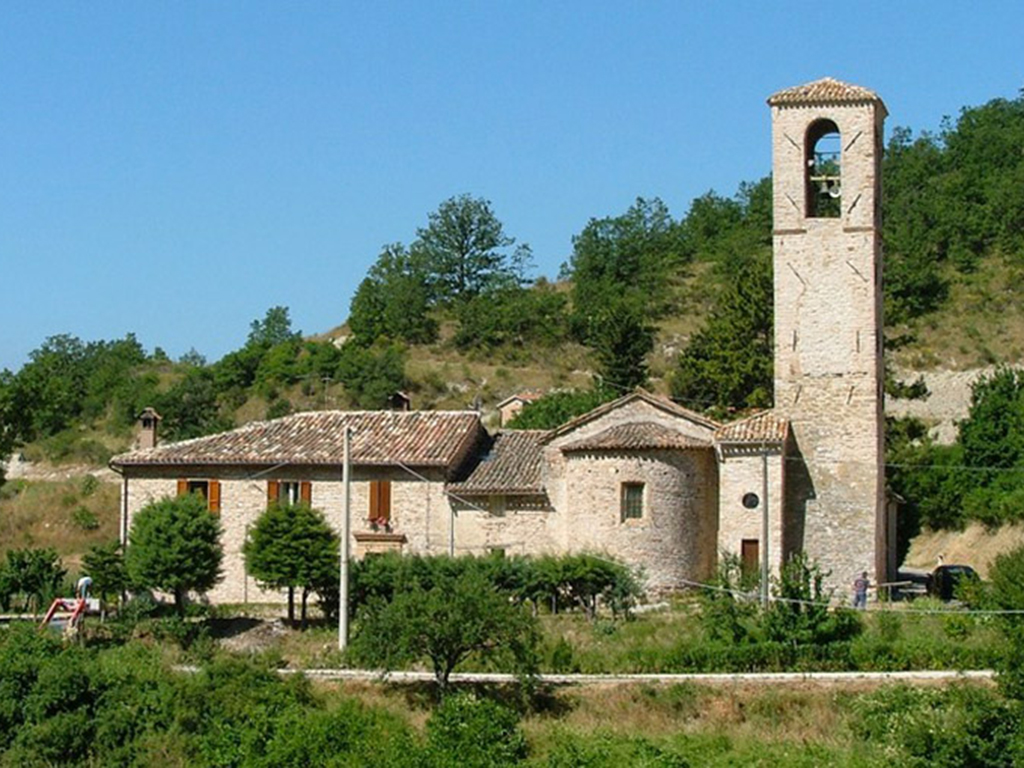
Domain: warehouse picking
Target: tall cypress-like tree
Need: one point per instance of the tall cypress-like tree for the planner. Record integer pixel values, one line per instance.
(728, 365)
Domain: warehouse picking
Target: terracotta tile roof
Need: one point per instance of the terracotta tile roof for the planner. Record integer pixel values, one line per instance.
(416, 438)
(662, 403)
(824, 91)
(511, 466)
(528, 396)
(636, 436)
(763, 427)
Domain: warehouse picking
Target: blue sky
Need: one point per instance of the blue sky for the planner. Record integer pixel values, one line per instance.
(175, 169)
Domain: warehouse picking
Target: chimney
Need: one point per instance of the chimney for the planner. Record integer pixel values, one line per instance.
(148, 421)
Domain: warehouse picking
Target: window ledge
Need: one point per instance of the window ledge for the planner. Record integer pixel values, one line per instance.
(379, 536)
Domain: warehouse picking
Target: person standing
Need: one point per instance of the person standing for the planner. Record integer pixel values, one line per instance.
(82, 587)
(860, 591)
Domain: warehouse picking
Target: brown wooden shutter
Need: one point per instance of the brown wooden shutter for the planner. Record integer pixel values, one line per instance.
(306, 492)
(385, 500)
(182, 487)
(273, 491)
(374, 498)
(213, 498)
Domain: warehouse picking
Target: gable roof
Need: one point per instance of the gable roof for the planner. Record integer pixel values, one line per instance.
(511, 466)
(827, 90)
(415, 438)
(763, 427)
(636, 436)
(661, 403)
(529, 396)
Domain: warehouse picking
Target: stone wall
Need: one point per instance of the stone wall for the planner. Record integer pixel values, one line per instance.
(828, 343)
(742, 472)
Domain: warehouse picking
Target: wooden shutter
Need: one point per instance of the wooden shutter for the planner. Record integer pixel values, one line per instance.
(374, 498)
(182, 487)
(306, 492)
(380, 499)
(213, 496)
(273, 491)
(385, 500)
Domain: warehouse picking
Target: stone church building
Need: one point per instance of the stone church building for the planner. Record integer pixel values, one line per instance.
(641, 478)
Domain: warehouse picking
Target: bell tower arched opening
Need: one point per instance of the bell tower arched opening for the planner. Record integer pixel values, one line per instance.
(824, 183)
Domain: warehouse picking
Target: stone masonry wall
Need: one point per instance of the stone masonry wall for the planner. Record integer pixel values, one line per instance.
(828, 345)
(741, 473)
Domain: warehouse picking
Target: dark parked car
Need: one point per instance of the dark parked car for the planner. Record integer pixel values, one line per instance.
(945, 579)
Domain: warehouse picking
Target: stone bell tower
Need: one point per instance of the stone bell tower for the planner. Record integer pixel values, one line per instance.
(826, 164)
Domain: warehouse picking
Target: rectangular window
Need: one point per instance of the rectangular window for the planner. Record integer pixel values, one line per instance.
(289, 492)
(208, 489)
(632, 501)
(380, 501)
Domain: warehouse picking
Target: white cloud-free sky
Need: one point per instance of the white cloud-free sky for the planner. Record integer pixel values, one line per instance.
(175, 169)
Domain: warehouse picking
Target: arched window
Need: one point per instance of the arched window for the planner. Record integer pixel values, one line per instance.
(824, 174)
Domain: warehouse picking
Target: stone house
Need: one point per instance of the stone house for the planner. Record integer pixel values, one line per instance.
(641, 478)
(638, 478)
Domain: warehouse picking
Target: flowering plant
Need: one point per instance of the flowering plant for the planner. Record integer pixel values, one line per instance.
(378, 523)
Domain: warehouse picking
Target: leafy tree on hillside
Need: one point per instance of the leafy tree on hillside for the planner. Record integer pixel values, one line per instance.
(622, 338)
(728, 364)
(292, 547)
(9, 432)
(371, 375)
(512, 316)
(174, 546)
(190, 408)
(465, 251)
(393, 300)
(275, 328)
(627, 256)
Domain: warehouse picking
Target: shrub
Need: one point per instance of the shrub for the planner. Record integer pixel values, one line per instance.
(85, 519)
(470, 732)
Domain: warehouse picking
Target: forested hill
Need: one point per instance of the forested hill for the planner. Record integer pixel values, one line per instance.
(678, 304)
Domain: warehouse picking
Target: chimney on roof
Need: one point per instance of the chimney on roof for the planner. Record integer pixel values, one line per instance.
(149, 420)
(400, 401)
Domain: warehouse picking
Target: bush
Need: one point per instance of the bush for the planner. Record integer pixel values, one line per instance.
(474, 733)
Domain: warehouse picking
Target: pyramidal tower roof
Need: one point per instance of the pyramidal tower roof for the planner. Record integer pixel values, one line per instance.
(827, 90)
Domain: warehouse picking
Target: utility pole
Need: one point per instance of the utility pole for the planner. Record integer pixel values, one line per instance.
(765, 527)
(346, 479)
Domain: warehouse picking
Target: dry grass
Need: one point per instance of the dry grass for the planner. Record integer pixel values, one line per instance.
(976, 546)
(981, 324)
(49, 514)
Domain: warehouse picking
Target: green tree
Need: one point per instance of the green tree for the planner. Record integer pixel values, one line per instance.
(456, 614)
(292, 547)
(728, 364)
(393, 300)
(9, 431)
(174, 546)
(630, 256)
(35, 573)
(465, 251)
(371, 375)
(512, 316)
(275, 328)
(1006, 592)
(190, 408)
(622, 338)
(104, 564)
(556, 408)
